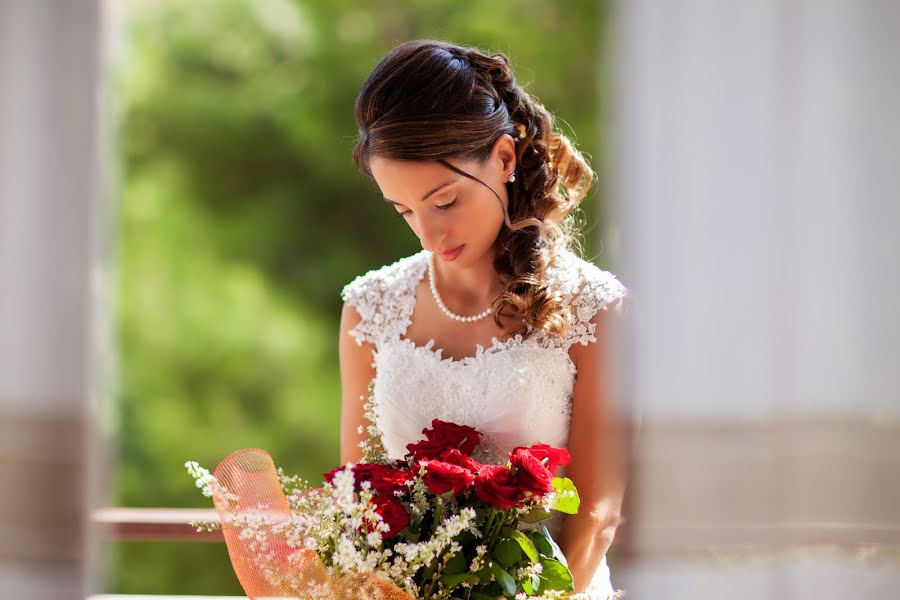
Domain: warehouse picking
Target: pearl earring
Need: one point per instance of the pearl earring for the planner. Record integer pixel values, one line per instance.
(511, 177)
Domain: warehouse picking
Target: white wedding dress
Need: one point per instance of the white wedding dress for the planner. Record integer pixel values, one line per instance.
(516, 392)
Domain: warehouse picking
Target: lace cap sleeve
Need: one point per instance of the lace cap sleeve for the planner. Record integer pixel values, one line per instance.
(596, 290)
(384, 299)
(362, 293)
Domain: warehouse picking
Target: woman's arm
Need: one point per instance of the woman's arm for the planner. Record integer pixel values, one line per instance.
(356, 374)
(597, 465)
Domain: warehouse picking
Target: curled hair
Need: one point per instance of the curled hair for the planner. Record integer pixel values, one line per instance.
(432, 100)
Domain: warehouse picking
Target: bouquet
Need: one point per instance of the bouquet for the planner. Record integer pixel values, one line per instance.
(437, 524)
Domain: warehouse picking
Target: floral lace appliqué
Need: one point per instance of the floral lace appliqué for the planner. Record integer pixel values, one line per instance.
(517, 392)
(384, 299)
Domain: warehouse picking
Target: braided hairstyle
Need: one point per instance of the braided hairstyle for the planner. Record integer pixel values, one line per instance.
(429, 100)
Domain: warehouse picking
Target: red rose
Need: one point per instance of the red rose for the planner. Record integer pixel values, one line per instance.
(444, 436)
(385, 480)
(392, 513)
(530, 473)
(497, 486)
(441, 477)
(455, 457)
(556, 457)
(425, 450)
(461, 437)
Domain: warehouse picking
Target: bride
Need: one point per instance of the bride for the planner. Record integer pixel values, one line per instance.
(496, 323)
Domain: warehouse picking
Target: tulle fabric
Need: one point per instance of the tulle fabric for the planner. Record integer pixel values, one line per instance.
(268, 567)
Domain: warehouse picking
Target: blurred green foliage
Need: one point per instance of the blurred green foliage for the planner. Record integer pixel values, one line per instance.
(242, 216)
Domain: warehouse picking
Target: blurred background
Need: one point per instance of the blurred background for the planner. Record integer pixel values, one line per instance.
(179, 212)
(241, 216)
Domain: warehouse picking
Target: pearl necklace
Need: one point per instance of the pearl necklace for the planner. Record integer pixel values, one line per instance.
(443, 306)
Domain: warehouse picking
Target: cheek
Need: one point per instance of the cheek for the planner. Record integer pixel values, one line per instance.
(486, 218)
(481, 214)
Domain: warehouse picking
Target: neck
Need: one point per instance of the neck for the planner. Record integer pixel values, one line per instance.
(473, 286)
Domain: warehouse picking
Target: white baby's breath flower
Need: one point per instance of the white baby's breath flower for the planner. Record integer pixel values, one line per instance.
(478, 559)
(548, 500)
(343, 488)
(204, 479)
(527, 571)
(374, 538)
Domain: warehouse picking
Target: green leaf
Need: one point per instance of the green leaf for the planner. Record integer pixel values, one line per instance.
(507, 553)
(456, 564)
(557, 552)
(541, 542)
(529, 587)
(484, 574)
(564, 502)
(451, 581)
(555, 576)
(504, 579)
(536, 515)
(526, 545)
(506, 531)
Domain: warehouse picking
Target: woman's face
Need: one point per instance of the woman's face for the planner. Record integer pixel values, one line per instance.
(447, 210)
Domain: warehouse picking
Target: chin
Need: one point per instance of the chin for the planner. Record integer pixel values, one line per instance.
(468, 258)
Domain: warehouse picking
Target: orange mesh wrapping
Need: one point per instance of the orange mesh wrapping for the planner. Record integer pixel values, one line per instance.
(249, 484)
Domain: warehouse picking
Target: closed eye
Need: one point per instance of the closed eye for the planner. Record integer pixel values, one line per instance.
(447, 206)
(406, 213)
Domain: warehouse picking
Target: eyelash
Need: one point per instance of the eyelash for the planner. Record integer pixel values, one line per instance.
(441, 207)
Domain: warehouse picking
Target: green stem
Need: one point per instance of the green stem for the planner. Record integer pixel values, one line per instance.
(497, 523)
(489, 527)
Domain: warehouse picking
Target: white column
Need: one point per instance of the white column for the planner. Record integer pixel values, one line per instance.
(756, 163)
(49, 239)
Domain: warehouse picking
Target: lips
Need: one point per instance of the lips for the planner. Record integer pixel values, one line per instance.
(453, 254)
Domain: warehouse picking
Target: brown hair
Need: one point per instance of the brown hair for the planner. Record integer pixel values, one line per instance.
(432, 100)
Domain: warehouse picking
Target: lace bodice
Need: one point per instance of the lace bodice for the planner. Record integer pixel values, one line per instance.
(517, 392)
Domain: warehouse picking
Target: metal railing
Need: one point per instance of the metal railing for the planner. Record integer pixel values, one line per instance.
(155, 523)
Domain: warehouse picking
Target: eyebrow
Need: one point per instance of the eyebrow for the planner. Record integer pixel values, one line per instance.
(431, 193)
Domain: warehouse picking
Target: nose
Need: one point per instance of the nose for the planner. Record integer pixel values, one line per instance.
(432, 234)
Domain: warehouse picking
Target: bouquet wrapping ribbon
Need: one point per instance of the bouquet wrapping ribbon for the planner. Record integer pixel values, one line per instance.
(265, 564)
